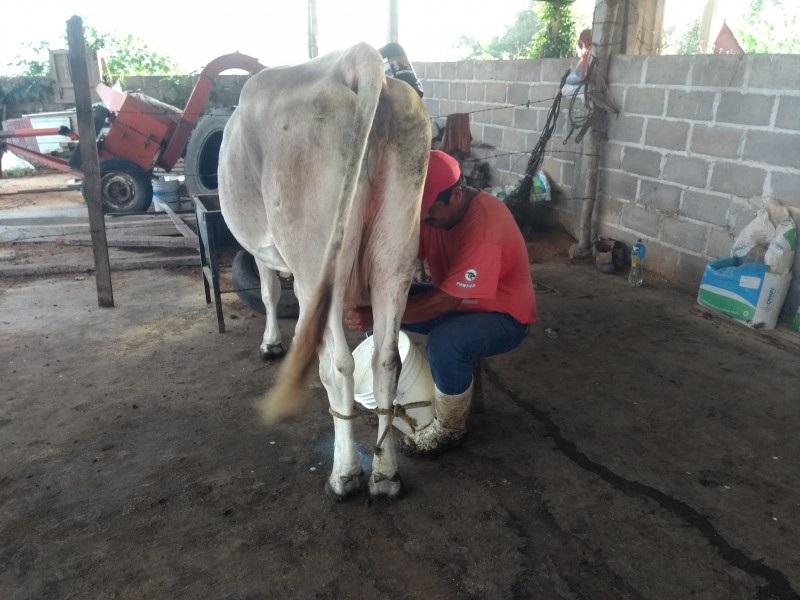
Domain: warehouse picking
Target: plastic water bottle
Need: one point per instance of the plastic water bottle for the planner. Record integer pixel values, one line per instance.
(636, 274)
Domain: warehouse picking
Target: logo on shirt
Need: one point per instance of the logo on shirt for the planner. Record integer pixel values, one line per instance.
(470, 275)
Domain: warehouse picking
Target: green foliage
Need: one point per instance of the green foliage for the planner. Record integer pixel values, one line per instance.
(38, 62)
(127, 54)
(20, 90)
(689, 41)
(557, 39)
(771, 27)
(516, 42)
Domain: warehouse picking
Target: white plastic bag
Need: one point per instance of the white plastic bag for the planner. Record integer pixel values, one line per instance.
(774, 233)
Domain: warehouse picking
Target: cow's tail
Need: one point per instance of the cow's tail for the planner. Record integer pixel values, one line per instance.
(364, 75)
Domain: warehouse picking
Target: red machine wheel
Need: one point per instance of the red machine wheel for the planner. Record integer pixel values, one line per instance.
(124, 186)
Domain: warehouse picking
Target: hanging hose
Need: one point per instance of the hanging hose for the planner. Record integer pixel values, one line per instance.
(519, 199)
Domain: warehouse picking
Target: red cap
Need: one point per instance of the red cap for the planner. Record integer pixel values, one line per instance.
(443, 172)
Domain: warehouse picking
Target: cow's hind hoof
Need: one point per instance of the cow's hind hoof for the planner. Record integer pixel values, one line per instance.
(381, 486)
(271, 351)
(343, 487)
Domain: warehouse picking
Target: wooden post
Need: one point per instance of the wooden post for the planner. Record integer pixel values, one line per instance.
(89, 161)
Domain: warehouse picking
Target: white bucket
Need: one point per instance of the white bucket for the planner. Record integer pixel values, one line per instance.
(414, 385)
(166, 191)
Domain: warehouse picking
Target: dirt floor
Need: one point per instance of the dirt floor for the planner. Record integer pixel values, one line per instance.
(633, 447)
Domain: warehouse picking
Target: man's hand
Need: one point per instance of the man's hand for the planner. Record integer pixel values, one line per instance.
(359, 318)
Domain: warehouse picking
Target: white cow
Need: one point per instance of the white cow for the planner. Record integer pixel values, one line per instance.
(320, 174)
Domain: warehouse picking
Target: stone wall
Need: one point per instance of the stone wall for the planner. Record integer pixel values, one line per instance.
(699, 143)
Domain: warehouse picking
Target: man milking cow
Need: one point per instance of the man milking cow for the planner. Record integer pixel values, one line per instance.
(480, 304)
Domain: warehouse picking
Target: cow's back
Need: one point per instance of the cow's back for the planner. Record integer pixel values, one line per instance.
(286, 152)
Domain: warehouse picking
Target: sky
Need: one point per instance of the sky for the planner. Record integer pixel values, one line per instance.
(275, 32)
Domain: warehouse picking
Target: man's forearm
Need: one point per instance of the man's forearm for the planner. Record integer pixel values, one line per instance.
(429, 305)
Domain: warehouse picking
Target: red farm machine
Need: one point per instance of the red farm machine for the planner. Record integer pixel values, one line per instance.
(136, 134)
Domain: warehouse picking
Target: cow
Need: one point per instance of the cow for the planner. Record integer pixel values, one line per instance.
(321, 172)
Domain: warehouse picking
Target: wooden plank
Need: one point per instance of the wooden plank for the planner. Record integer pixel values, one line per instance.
(185, 231)
(89, 160)
(123, 264)
(130, 241)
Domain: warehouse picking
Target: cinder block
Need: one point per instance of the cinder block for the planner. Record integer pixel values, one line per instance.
(496, 92)
(503, 116)
(611, 156)
(525, 118)
(518, 93)
(480, 115)
(690, 269)
(685, 170)
(736, 179)
(608, 210)
(448, 71)
(667, 134)
(745, 109)
(441, 90)
(667, 70)
(484, 70)
(448, 107)
(697, 106)
(720, 242)
(684, 234)
(773, 148)
(476, 91)
(514, 141)
(641, 162)
(645, 101)
(775, 71)
(502, 162)
(553, 69)
(618, 184)
(625, 69)
(529, 71)
(543, 94)
(786, 188)
(465, 69)
(660, 260)
(458, 90)
(626, 128)
(788, 116)
(492, 136)
(715, 140)
(718, 71)
(705, 207)
(660, 196)
(504, 70)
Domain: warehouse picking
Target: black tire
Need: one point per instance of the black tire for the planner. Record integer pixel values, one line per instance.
(247, 284)
(124, 186)
(202, 152)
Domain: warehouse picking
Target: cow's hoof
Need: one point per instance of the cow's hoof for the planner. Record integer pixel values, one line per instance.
(271, 351)
(385, 487)
(339, 488)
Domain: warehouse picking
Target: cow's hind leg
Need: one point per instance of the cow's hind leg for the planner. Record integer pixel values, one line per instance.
(386, 365)
(336, 372)
(271, 347)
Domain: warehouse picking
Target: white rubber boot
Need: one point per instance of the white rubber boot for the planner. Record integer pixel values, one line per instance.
(446, 430)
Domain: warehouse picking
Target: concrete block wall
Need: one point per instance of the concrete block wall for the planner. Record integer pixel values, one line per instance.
(698, 145)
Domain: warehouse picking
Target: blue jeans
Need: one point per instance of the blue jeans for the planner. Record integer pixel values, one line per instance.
(458, 338)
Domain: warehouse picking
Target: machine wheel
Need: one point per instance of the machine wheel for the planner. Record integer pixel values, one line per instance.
(202, 152)
(247, 284)
(124, 186)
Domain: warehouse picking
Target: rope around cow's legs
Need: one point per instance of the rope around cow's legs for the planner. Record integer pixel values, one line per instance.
(398, 411)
